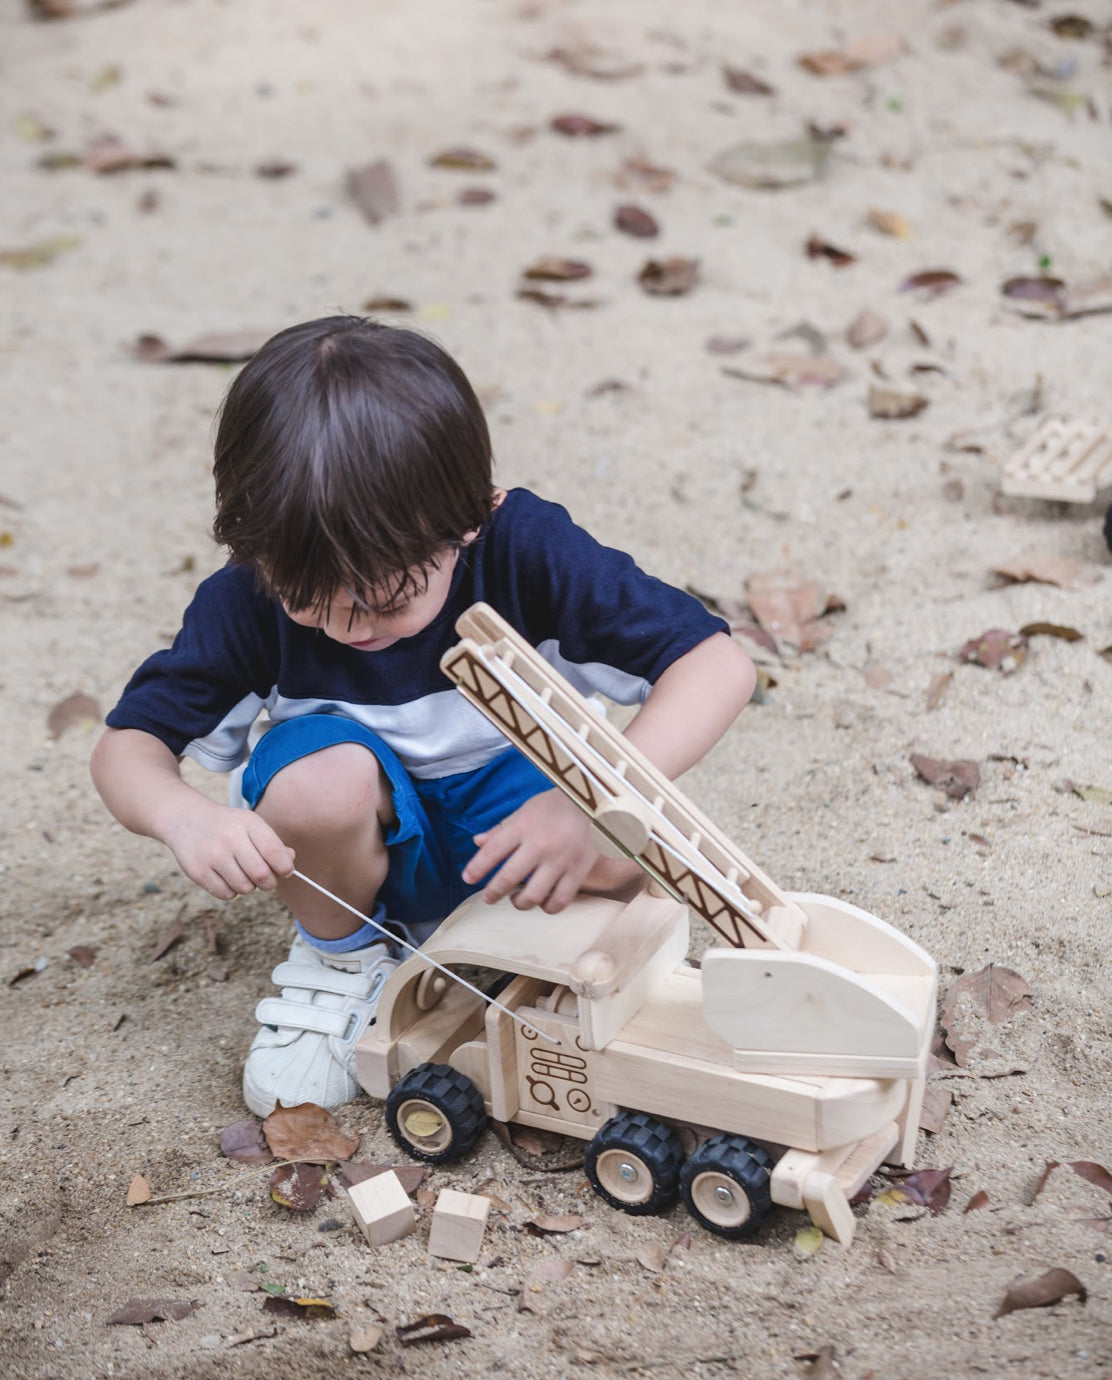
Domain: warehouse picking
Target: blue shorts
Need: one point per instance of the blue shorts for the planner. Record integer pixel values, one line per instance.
(433, 838)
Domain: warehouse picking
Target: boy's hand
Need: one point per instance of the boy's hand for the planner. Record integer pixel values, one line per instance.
(546, 840)
(227, 851)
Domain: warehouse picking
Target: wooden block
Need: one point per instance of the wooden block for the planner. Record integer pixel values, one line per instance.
(458, 1223)
(382, 1208)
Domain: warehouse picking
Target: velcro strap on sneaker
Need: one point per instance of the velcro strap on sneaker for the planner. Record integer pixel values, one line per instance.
(300, 1015)
(317, 978)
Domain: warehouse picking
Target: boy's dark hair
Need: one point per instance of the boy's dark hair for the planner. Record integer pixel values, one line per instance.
(348, 455)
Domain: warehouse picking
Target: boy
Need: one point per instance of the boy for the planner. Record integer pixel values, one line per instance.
(354, 495)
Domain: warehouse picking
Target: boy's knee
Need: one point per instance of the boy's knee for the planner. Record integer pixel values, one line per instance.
(338, 789)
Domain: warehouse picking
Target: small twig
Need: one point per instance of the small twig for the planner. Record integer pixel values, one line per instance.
(221, 1188)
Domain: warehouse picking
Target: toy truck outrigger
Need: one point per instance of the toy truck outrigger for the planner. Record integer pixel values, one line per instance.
(784, 1069)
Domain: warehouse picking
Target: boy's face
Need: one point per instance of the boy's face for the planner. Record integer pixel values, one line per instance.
(351, 622)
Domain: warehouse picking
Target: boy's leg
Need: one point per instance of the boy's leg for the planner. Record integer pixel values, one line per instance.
(332, 808)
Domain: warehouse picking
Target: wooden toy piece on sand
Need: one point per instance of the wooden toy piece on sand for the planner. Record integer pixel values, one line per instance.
(1068, 461)
(382, 1208)
(458, 1223)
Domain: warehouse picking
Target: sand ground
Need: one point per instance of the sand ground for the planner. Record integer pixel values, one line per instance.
(132, 1066)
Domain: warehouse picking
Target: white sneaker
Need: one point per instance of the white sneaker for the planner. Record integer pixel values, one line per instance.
(305, 1051)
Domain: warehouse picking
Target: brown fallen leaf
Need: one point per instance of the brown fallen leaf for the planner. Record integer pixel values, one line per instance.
(1041, 296)
(996, 648)
(556, 300)
(818, 248)
(274, 169)
(299, 1187)
(581, 126)
(672, 277)
(1058, 630)
(108, 154)
(771, 164)
(633, 220)
(77, 710)
(545, 1225)
(889, 223)
(136, 1312)
(374, 189)
(993, 996)
(955, 779)
(744, 83)
(219, 348)
(929, 1188)
(867, 328)
(889, 405)
(307, 1132)
(935, 1108)
(852, 56)
(384, 302)
(303, 1309)
(652, 1256)
(644, 176)
(1093, 1173)
(980, 1199)
(171, 935)
(475, 196)
(930, 282)
(463, 160)
(138, 1191)
(590, 60)
(937, 688)
(40, 254)
(551, 1270)
(1038, 1291)
(84, 954)
(790, 369)
(789, 608)
(410, 1176)
(1048, 570)
(433, 1327)
(726, 344)
(552, 269)
(365, 1337)
(243, 1141)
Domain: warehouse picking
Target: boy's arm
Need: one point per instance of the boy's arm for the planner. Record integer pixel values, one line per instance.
(227, 851)
(547, 840)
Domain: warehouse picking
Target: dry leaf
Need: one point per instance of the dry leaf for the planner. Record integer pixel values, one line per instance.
(998, 994)
(107, 154)
(889, 405)
(808, 1240)
(929, 1188)
(299, 1187)
(652, 1257)
(633, 220)
(543, 1226)
(138, 1191)
(818, 248)
(40, 254)
(1037, 1291)
(243, 1141)
(307, 1132)
(84, 954)
(956, 779)
(551, 1270)
(384, 302)
(861, 52)
(935, 1108)
(998, 649)
(274, 169)
(475, 196)
(138, 1311)
(937, 688)
(463, 160)
(433, 1327)
(744, 83)
(980, 1014)
(581, 126)
(889, 223)
(790, 370)
(1093, 1173)
(978, 1200)
(410, 1176)
(772, 164)
(374, 189)
(74, 711)
(551, 269)
(589, 60)
(789, 608)
(867, 328)
(219, 348)
(1048, 570)
(170, 936)
(304, 1309)
(1058, 630)
(365, 1337)
(930, 282)
(669, 277)
(726, 344)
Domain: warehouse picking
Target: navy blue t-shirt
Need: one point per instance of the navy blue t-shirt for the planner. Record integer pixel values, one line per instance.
(588, 609)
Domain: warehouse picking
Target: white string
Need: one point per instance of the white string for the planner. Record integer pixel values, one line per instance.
(394, 939)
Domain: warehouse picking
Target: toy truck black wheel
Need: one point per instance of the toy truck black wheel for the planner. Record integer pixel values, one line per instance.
(725, 1186)
(634, 1162)
(435, 1113)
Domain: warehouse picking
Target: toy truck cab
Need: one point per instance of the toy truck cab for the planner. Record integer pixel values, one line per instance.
(782, 1072)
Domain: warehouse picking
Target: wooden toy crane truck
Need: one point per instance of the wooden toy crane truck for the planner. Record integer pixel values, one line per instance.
(784, 1069)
